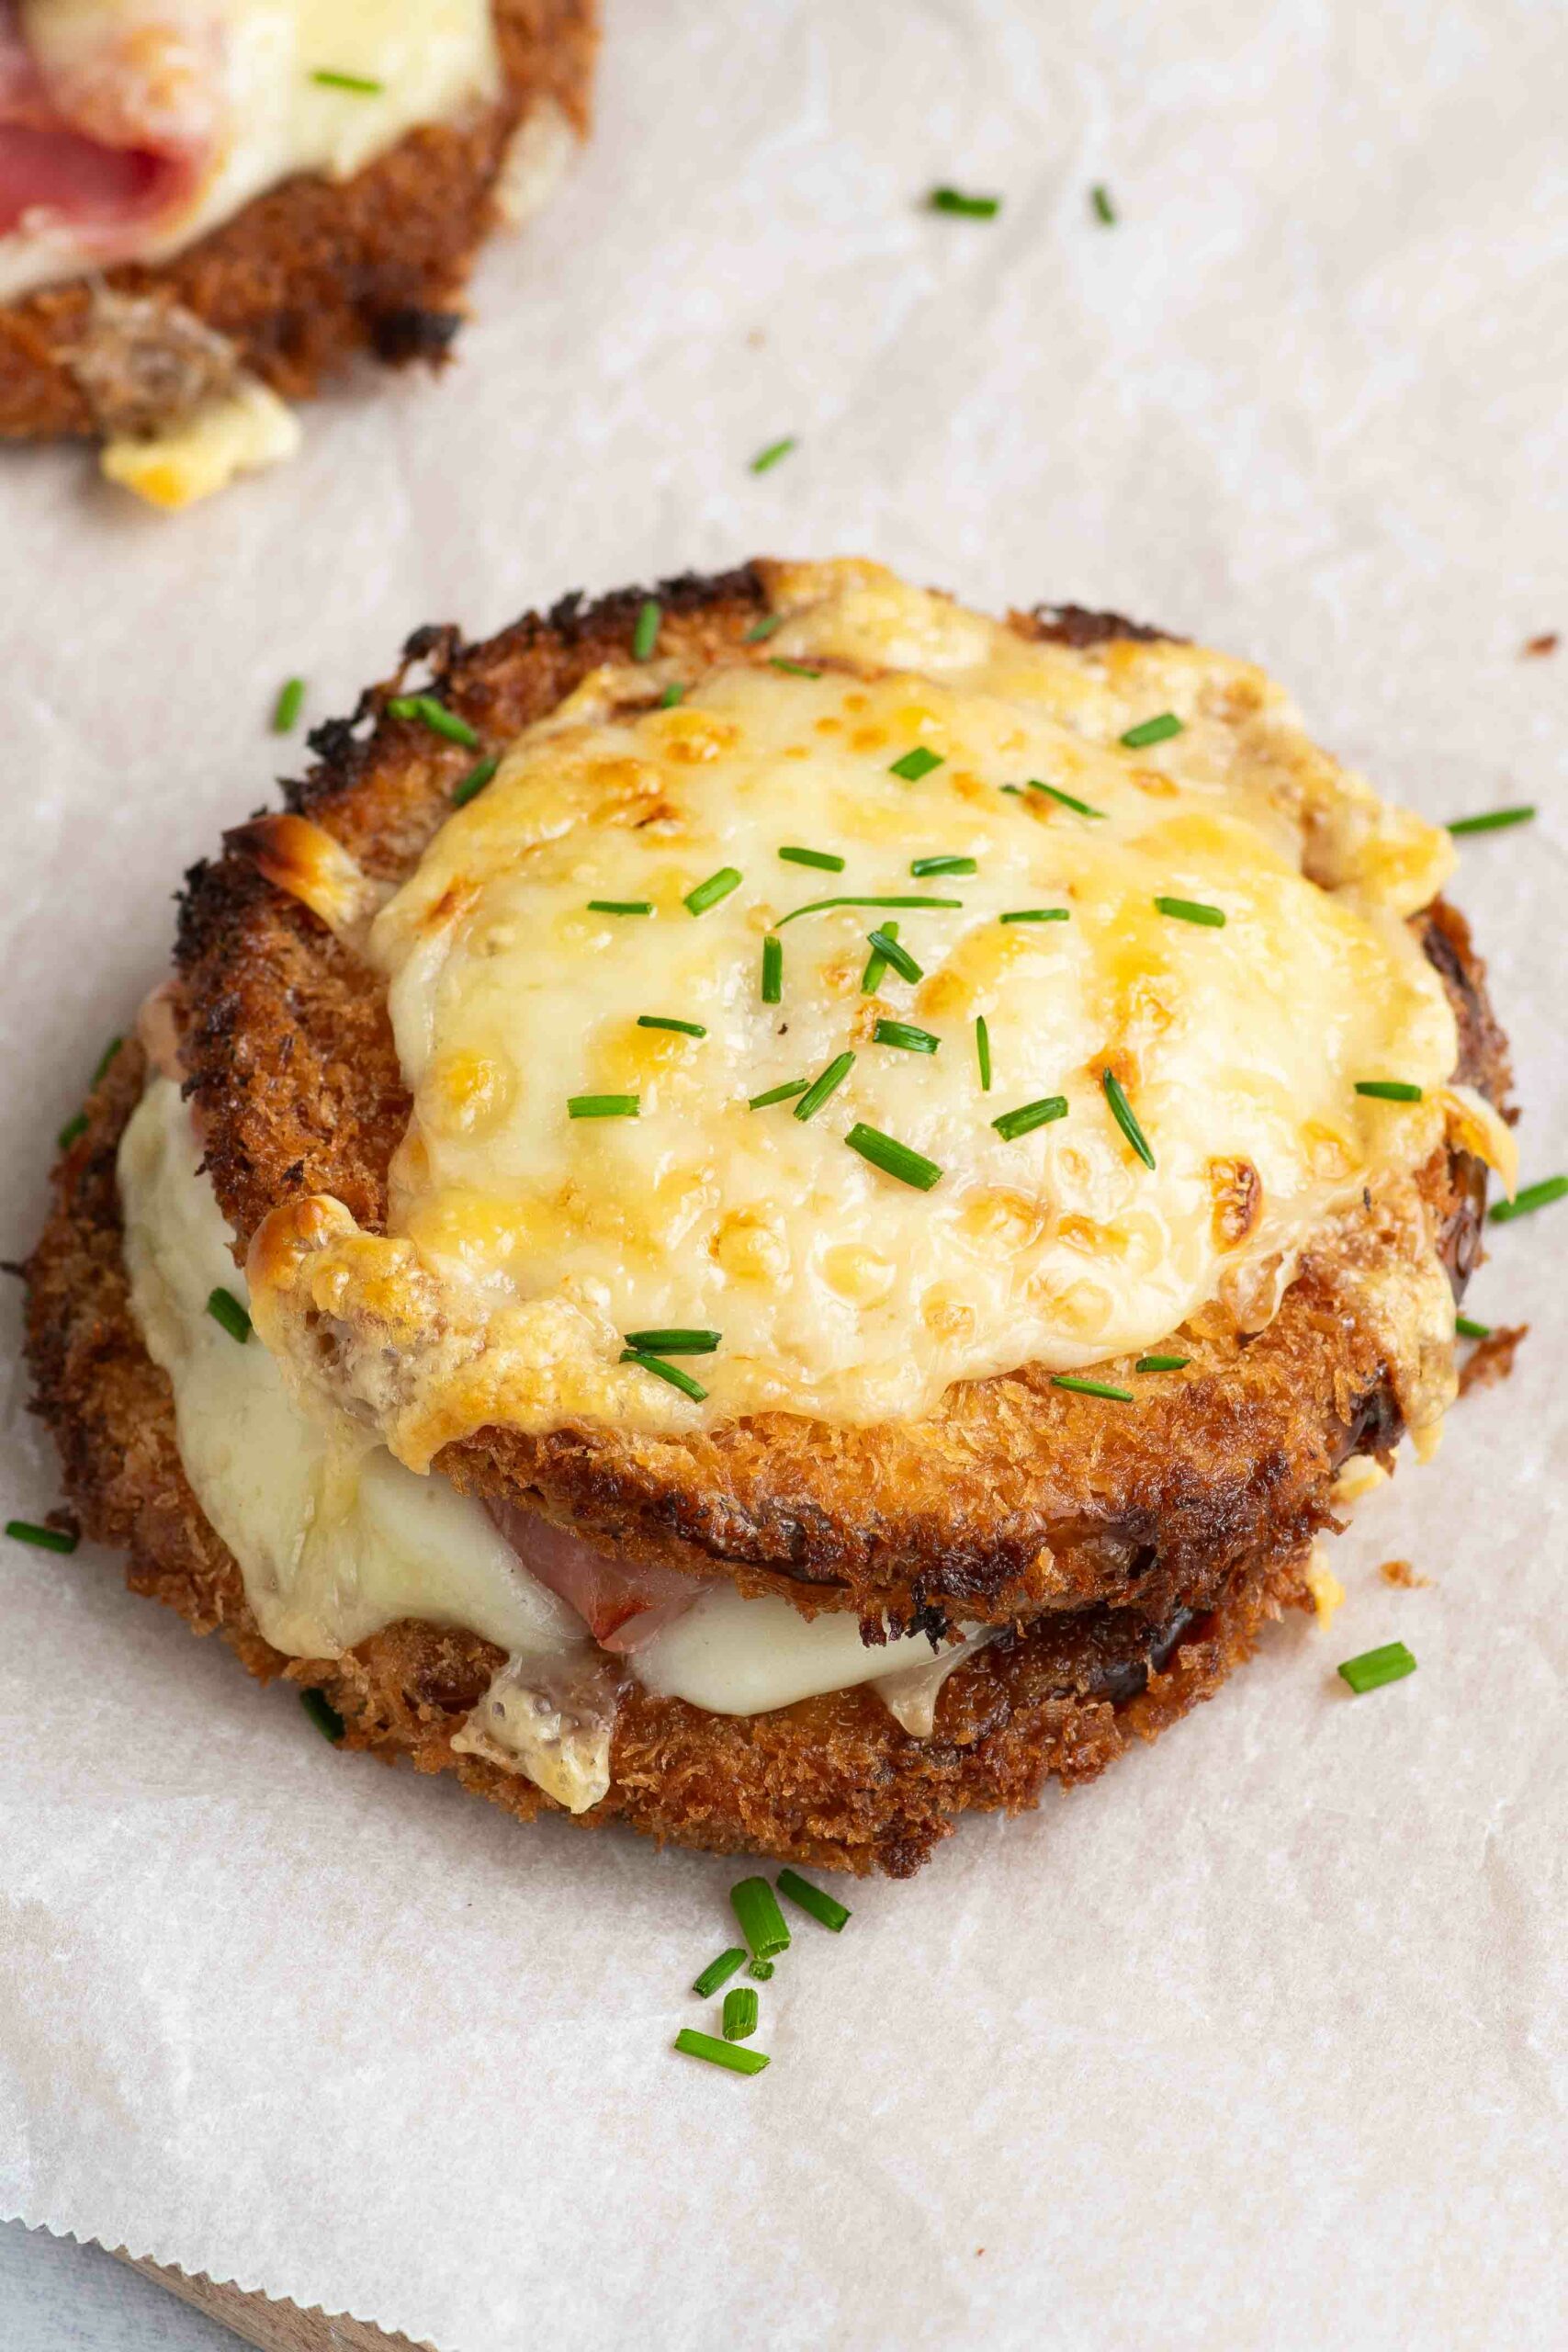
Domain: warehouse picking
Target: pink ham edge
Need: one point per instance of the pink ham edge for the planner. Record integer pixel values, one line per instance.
(622, 1607)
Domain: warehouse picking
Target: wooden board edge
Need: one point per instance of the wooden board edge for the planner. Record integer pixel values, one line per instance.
(272, 2326)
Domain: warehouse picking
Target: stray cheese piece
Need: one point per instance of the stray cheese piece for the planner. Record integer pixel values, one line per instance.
(1361, 1475)
(1328, 1592)
(240, 432)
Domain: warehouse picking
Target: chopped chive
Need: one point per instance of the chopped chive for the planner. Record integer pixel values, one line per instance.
(817, 906)
(1068, 800)
(762, 1921)
(1534, 1196)
(671, 696)
(661, 1021)
(825, 1908)
(671, 1373)
(876, 965)
(225, 1308)
(1192, 910)
(971, 208)
(602, 1106)
(761, 1969)
(1030, 1115)
(289, 704)
(1389, 1090)
(891, 952)
(719, 1972)
(920, 866)
(739, 2013)
(913, 765)
(1099, 202)
(768, 458)
(676, 1341)
(1035, 914)
(819, 857)
(791, 669)
(47, 1539)
(829, 1083)
(1162, 1363)
(361, 84)
(778, 1094)
(322, 1714)
(719, 2053)
(1469, 1329)
(983, 1051)
(436, 716)
(1016, 790)
(1093, 1388)
(1374, 1668)
(772, 970)
(1151, 731)
(1121, 1112)
(105, 1058)
(620, 906)
(645, 636)
(1491, 820)
(717, 885)
(766, 627)
(75, 1125)
(468, 787)
(894, 1159)
(903, 1032)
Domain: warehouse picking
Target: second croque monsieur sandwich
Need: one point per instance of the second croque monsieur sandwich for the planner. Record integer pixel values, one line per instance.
(772, 1210)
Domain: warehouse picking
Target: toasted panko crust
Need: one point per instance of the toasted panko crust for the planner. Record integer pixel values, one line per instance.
(315, 271)
(1013, 1495)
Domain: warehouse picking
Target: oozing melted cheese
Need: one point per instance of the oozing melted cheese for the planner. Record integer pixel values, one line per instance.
(234, 79)
(524, 1243)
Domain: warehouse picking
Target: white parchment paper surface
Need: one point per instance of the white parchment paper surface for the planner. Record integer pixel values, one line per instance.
(1258, 2042)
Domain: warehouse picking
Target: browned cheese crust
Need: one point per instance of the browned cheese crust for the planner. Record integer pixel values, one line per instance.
(315, 271)
(1012, 1495)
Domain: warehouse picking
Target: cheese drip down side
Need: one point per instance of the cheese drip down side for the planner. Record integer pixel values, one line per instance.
(524, 1243)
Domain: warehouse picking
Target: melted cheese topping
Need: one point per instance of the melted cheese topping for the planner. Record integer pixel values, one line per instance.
(524, 1243)
(233, 80)
(240, 433)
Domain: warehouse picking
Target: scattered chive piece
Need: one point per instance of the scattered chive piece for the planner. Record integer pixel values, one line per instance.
(876, 965)
(717, 885)
(719, 2053)
(74, 1126)
(105, 1058)
(620, 906)
(817, 906)
(1469, 1329)
(436, 716)
(660, 1021)
(1121, 1112)
(903, 1032)
(1067, 799)
(920, 866)
(972, 207)
(772, 970)
(1374, 1668)
(719, 1972)
(1091, 1389)
(1035, 914)
(1016, 790)
(47, 1538)
(289, 704)
(770, 457)
(468, 787)
(825, 1908)
(829, 1083)
(739, 2013)
(983, 1051)
(913, 765)
(1491, 820)
(778, 1094)
(1389, 1090)
(645, 636)
(887, 946)
(893, 1157)
(322, 1714)
(1162, 1363)
(1534, 1196)
(1030, 1115)
(602, 1106)
(671, 1372)
(671, 696)
(674, 1342)
(1192, 910)
(360, 84)
(1151, 731)
(761, 1969)
(225, 1308)
(1100, 204)
(762, 1921)
(819, 857)
(765, 628)
(791, 669)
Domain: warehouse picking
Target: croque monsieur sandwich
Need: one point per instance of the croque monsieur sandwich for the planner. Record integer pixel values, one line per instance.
(774, 1210)
(207, 206)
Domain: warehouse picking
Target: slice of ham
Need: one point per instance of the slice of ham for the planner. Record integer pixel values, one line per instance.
(622, 1606)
